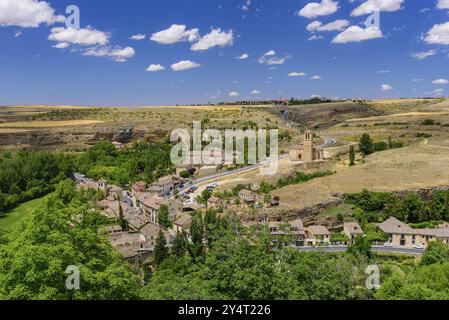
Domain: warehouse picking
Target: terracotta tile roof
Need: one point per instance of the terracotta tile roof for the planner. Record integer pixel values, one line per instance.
(394, 226)
(353, 228)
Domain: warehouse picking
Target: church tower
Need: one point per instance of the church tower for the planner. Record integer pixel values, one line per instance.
(308, 146)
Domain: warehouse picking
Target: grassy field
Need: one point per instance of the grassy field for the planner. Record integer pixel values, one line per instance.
(47, 124)
(8, 220)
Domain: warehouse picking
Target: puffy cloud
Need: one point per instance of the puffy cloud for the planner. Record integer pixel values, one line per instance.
(270, 58)
(296, 74)
(234, 94)
(440, 81)
(84, 37)
(116, 54)
(27, 13)
(61, 45)
(174, 34)
(314, 37)
(213, 39)
(138, 37)
(370, 6)
(386, 87)
(18, 34)
(155, 68)
(184, 65)
(246, 5)
(423, 54)
(315, 9)
(443, 4)
(437, 92)
(255, 92)
(243, 56)
(337, 25)
(358, 34)
(316, 78)
(438, 34)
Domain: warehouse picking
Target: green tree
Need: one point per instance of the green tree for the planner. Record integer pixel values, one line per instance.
(436, 252)
(160, 249)
(34, 259)
(366, 144)
(351, 156)
(163, 216)
(361, 246)
(179, 245)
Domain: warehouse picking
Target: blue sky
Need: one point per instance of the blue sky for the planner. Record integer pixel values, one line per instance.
(41, 62)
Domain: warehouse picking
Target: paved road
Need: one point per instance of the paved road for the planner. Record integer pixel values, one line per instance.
(327, 143)
(374, 248)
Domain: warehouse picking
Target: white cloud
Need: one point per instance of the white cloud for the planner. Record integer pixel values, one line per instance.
(27, 13)
(357, 34)
(270, 58)
(184, 65)
(246, 5)
(296, 74)
(61, 45)
(383, 71)
(276, 61)
(440, 81)
(314, 37)
(155, 68)
(17, 34)
(138, 37)
(213, 39)
(437, 92)
(423, 54)
(234, 94)
(316, 9)
(337, 25)
(116, 54)
(369, 6)
(438, 34)
(316, 78)
(417, 80)
(243, 56)
(84, 36)
(255, 92)
(386, 87)
(443, 4)
(174, 34)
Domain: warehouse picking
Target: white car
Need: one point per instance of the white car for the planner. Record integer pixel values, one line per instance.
(418, 246)
(388, 244)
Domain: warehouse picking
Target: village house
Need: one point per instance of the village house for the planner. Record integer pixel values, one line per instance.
(138, 188)
(182, 225)
(165, 185)
(317, 235)
(282, 230)
(249, 197)
(151, 233)
(402, 235)
(352, 230)
(133, 246)
(151, 205)
(215, 203)
(306, 152)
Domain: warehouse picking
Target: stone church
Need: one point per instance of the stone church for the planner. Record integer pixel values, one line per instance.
(306, 152)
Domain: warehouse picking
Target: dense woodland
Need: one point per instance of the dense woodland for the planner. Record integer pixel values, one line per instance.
(28, 175)
(232, 262)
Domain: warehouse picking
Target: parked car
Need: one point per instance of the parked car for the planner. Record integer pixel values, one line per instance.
(388, 244)
(418, 246)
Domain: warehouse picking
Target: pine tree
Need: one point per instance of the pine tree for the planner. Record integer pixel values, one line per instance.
(160, 249)
(122, 221)
(179, 245)
(163, 216)
(351, 156)
(366, 145)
